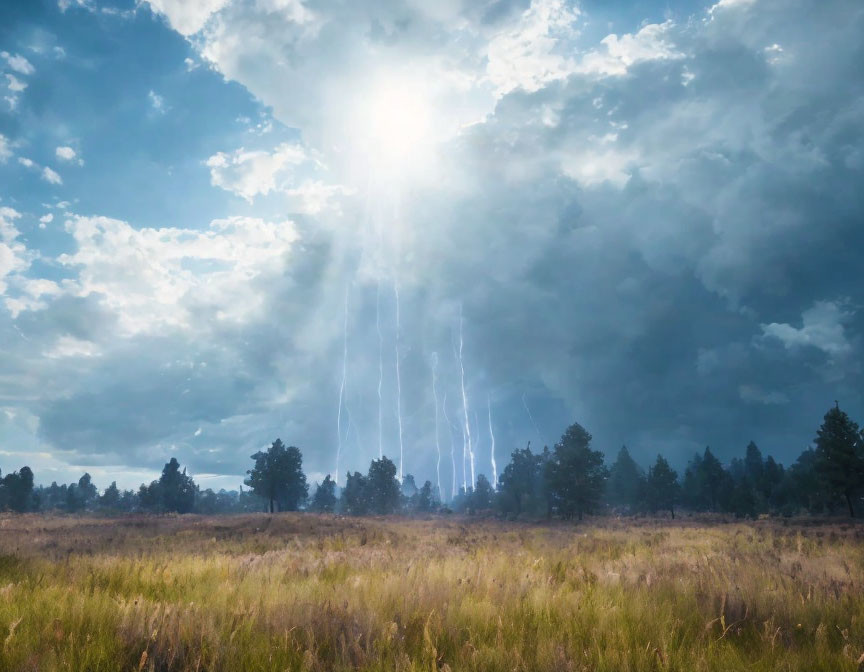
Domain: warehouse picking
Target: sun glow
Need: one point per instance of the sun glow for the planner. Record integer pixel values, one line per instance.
(395, 128)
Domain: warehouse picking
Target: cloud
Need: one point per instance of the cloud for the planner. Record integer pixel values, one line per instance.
(156, 279)
(65, 153)
(620, 53)
(14, 84)
(13, 254)
(27, 163)
(252, 173)
(157, 102)
(51, 176)
(186, 17)
(822, 328)
(18, 63)
(5, 150)
(535, 51)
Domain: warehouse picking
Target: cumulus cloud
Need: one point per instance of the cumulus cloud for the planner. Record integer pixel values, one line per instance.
(13, 254)
(18, 63)
(821, 328)
(5, 150)
(65, 153)
(252, 173)
(186, 17)
(153, 279)
(51, 176)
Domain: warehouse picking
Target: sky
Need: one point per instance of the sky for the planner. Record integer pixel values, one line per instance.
(227, 221)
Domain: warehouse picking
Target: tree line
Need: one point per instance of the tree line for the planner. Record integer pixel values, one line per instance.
(567, 481)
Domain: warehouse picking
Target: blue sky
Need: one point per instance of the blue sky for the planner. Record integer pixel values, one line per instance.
(647, 215)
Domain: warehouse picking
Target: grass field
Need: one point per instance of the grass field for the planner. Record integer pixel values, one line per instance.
(304, 592)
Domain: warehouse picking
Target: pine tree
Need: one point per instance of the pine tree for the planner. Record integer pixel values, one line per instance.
(324, 499)
(662, 487)
(626, 485)
(577, 475)
(383, 489)
(278, 477)
(839, 456)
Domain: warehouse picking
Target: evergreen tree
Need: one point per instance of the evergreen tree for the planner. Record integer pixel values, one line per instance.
(839, 456)
(324, 499)
(110, 499)
(175, 490)
(626, 485)
(355, 500)
(278, 477)
(424, 500)
(577, 475)
(663, 490)
(382, 486)
(481, 497)
(518, 483)
(16, 491)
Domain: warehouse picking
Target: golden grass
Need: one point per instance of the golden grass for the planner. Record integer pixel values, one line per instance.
(304, 592)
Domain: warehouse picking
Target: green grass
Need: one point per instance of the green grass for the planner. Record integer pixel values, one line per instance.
(303, 592)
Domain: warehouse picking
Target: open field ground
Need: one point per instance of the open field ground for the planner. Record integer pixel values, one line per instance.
(304, 592)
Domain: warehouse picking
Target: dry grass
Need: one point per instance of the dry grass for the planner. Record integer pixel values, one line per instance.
(303, 592)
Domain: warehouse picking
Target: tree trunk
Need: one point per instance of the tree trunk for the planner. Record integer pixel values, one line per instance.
(672, 511)
(271, 505)
(849, 504)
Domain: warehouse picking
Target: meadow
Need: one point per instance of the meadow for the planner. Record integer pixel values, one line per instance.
(307, 592)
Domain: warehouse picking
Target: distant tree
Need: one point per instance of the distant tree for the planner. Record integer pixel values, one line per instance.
(518, 483)
(382, 486)
(278, 477)
(662, 488)
(148, 496)
(176, 490)
(839, 460)
(16, 490)
(425, 499)
(324, 499)
(409, 487)
(706, 484)
(482, 496)
(355, 496)
(625, 488)
(110, 499)
(87, 492)
(577, 475)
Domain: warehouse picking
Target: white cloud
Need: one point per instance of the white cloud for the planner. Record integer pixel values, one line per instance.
(27, 163)
(157, 102)
(822, 328)
(69, 346)
(619, 53)
(153, 279)
(65, 153)
(14, 84)
(252, 173)
(13, 254)
(51, 176)
(185, 16)
(18, 63)
(729, 4)
(46, 219)
(5, 151)
(535, 51)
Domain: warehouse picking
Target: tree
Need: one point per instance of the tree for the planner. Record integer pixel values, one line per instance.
(110, 499)
(324, 499)
(278, 477)
(382, 486)
(481, 497)
(662, 487)
(176, 490)
(577, 475)
(706, 484)
(16, 490)
(626, 485)
(839, 456)
(86, 492)
(518, 483)
(425, 500)
(355, 499)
